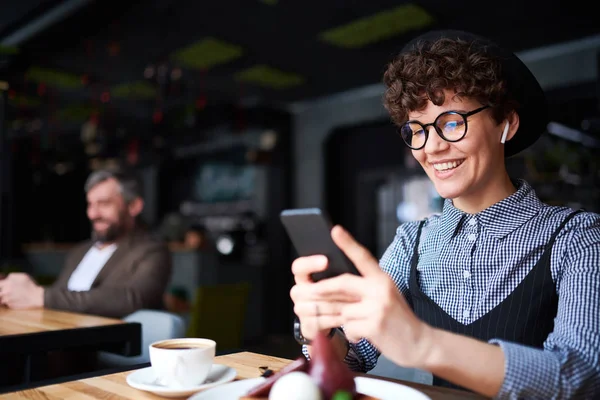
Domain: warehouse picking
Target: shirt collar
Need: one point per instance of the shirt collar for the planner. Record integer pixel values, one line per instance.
(451, 219)
(99, 246)
(500, 219)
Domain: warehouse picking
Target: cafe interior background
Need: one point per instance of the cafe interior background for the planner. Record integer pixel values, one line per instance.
(232, 111)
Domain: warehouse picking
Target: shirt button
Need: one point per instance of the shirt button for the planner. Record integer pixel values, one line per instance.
(466, 274)
(472, 237)
(473, 222)
(466, 314)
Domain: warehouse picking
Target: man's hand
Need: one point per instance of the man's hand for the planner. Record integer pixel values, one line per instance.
(19, 291)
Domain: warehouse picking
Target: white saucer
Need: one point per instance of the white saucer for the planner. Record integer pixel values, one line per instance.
(145, 379)
(377, 388)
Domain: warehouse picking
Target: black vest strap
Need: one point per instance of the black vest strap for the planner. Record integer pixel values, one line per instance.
(526, 316)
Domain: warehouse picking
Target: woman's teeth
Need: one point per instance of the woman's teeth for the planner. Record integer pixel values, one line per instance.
(447, 165)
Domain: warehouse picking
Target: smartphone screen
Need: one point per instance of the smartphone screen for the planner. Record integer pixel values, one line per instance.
(310, 232)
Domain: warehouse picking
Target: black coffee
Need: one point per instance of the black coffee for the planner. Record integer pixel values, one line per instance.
(181, 346)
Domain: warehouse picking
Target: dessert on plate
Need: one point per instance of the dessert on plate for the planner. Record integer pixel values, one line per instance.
(324, 377)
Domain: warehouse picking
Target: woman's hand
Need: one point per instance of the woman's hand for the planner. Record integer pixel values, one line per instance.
(368, 306)
(313, 311)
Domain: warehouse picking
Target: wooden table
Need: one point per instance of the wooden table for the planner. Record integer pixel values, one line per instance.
(38, 331)
(19, 322)
(246, 364)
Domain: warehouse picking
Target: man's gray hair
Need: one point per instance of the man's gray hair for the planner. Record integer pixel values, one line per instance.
(129, 184)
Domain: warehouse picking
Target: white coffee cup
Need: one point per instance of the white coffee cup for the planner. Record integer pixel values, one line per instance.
(182, 363)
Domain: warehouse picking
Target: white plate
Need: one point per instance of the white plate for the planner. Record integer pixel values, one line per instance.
(380, 389)
(385, 390)
(233, 390)
(145, 379)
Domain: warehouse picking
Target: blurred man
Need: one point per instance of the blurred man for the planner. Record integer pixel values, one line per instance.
(120, 270)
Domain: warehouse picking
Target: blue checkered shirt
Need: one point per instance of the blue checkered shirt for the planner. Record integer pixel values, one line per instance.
(509, 238)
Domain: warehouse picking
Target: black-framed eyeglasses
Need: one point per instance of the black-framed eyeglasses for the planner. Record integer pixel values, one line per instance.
(449, 125)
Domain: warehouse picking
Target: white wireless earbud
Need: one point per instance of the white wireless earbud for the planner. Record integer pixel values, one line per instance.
(505, 132)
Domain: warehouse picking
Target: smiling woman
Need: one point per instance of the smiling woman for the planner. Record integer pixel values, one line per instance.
(453, 87)
(464, 168)
(498, 294)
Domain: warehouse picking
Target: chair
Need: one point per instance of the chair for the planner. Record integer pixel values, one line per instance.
(219, 312)
(156, 325)
(388, 369)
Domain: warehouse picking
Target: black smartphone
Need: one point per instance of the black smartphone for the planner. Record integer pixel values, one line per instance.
(310, 232)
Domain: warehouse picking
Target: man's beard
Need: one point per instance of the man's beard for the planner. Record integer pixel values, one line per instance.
(114, 231)
(111, 234)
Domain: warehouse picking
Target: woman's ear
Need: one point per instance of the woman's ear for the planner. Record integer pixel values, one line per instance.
(512, 120)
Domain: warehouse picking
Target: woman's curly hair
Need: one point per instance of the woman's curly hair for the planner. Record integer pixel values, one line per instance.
(430, 68)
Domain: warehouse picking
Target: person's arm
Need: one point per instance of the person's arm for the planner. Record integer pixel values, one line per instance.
(144, 289)
(568, 366)
(465, 361)
(362, 356)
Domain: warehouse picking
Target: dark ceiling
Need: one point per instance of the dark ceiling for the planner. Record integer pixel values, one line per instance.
(107, 43)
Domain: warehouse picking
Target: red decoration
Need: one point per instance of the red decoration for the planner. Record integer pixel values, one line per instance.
(41, 89)
(157, 117)
(201, 102)
(105, 97)
(85, 79)
(133, 151)
(12, 94)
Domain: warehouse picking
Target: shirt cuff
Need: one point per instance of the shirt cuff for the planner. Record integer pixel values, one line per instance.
(528, 372)
(353, 360)
(305, 352)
